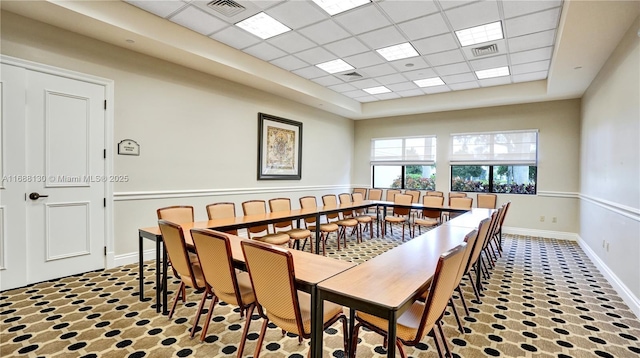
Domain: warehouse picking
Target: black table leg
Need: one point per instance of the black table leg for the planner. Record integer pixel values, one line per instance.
(479, 275)
(391, 343)
(165, 269)
(158, 273)
(318, 234)
(140, 269)
(317, 312)
(350, 342)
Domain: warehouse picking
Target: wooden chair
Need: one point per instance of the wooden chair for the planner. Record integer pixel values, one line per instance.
(176, 214)
(362, 191)
(483, 231)
(391, 193)
(400, 215)
(343, 223)
(309, 202)
(346, 198)
(222, 211)
(362, 216)
(422, 317)
(429, 218)
(185, 265)
(415, 194)
(456, 195)
(459, 203)
(273, 279)
(259, 207)
(487, 201)
(223, 282)
(498, 235)
(375, 194)
(434, 193)
(296, 234)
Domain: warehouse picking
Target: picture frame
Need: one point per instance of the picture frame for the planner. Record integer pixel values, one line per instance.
(279, 148)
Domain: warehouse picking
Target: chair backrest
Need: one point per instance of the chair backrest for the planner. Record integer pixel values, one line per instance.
(375, 194)
(331, 201)
(362, 191)
(391, 193)
(471, 238)
(255, 207)
(403, 199)
(222, 211)
(173, 239)
(309, 202)
(461, 203)
(435, 193)
(487, 201)
(281, 204)
(214, 252)
(176, 214)
(456, 195)
(358, 198)
(345, 198)
(505, 209)
(483, 231)
(273, 280)
(415, 194)
(434, 202)
(441, 289)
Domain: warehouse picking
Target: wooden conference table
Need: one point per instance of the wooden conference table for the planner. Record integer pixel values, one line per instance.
(388, 284)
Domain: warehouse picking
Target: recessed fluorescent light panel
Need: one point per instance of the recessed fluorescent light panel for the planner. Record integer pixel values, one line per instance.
(429, 82)
(263, 26)
(333, 7)
(398, 52)
(493, 72)
(377, 90)
(480, 34)
(335, 66)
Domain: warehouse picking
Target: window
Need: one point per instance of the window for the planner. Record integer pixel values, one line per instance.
(404, 163)
(494, 162)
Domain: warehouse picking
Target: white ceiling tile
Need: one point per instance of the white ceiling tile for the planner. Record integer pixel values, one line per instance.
(464, 86)
(424, 27)
(364, 59)
(435, 44)
(452, 69)
(391, 79)
(517, 8)
(489, 62)
(540, 21)
(540, 54)
(297, 14)
(419, 74)
(197, 20)
(364, 83)
(402, 10)
(310, 72)
(316, 55)
(530, 67)
(497, 81)
(386, 96)
(531, 41)
(403, 86)
(362, 19)
(459, 78)
(479, 13)
(356, 93)
(446, 57)
(448, 4)
(410, 64)
(291, 42)
(290, 63)
(346, 47)
(380, 38)
(411, 93)
(265, 51)
(533, 76)
(327, 81)
(367, 98)
(324, 32)
(159, 8)
(344, 87)
(378, 70)
(436, 89)
(263, 4)
(235, 37)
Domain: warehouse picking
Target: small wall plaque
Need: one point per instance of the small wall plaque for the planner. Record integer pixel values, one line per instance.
(128, 147)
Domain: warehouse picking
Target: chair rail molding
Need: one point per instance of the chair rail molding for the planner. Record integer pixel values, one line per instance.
(627, 211)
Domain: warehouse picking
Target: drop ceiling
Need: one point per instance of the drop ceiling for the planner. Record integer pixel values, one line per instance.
(542, 41)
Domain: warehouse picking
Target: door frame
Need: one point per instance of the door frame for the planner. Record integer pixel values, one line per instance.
(108, 137)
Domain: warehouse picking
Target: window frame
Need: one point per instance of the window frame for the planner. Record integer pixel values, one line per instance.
(490, 178)
(403, 176)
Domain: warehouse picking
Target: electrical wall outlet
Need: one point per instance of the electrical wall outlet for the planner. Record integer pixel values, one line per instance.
(554, 220)
(607, 247)
(542, 218)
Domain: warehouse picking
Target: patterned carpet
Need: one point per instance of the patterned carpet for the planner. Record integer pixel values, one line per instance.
(544, 299)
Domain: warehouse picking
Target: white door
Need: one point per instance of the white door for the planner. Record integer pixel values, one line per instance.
(64, 183)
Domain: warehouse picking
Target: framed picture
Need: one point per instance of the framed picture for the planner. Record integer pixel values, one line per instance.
(279, 148)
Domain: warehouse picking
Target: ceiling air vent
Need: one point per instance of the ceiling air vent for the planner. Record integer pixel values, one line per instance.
(226, 7)
(485, 50)
(352, 76)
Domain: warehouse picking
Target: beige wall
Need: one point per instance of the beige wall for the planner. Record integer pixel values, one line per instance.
(558, 123)
(610, 163)
(196, 131)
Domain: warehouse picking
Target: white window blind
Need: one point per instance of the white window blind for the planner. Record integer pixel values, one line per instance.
(404, 151)
(495, 148)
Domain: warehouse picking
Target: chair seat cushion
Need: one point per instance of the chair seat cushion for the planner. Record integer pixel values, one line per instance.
(364, 219)
(395, 219)
(298, 234)
(325, 227)
(330, 310)
(246, 291)
(408, 323)
(347, 222)
(426, 222)
(274, 239)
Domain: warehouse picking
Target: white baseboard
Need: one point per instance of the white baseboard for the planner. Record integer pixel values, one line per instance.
(132, 257)
(560, 235)
(627, 296)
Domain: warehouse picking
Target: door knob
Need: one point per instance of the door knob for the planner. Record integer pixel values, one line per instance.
(36, 196)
